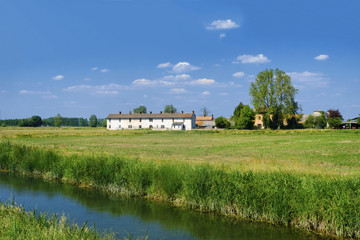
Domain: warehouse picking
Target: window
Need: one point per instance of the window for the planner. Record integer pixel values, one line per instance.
(150, 119)
(119, 119)
(129, 126)
(162, 120)
(109, 126)
(173, 120)
(139, 126)
(109, 120)
(162, 126)
(150, 126)
(140, 120)
(183, 119)
(129, 119)
(119, 126)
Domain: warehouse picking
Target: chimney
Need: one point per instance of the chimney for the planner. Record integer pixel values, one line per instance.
(182, 112)
(129, 112)
(150, 112)
(212, 116)
(193, 112)
(170, 112)
(119, 112)
(160, 112)
(140, 112)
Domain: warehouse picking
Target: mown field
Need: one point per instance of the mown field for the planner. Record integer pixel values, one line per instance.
(308, 179)
(325, 152)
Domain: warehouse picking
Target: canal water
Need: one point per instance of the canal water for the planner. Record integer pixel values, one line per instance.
(133, 216)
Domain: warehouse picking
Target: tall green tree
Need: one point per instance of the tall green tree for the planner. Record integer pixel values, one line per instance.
(237, 112)
(272, 92)
(140, 109)
(58, 120)
(170, 109)
(358, 120)
(247, 118)
(93, 120)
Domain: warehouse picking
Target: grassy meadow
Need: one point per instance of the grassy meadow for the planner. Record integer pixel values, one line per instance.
(324, 152)
(308, 179)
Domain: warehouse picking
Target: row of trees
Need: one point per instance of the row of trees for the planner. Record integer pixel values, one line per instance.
(57, 121)
(167, 109)
(332, 118)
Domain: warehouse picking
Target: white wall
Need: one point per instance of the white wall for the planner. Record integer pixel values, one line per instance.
(157, 124)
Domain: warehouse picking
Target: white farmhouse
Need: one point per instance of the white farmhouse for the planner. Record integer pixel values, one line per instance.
(158, 121)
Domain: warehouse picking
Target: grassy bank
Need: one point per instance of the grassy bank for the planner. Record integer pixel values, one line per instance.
(16, 223)
(321, 203)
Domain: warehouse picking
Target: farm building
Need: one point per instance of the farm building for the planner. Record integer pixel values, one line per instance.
(205, 122)
(158, 121)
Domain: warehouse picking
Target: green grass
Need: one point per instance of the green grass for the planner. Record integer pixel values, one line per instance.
(306, 179)
(302, 151)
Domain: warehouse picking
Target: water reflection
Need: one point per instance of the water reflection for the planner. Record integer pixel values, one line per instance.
(123, 215)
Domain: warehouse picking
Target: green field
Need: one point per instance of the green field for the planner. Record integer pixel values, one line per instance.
(325, 152)
(308, 179)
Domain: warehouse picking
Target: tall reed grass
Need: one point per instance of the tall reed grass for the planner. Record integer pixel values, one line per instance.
(326, 205)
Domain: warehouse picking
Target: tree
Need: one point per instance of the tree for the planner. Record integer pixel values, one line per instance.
(334, 118)
(57, 120)
(140, 109)
(272, 92)
(170, 109)
(104, 123)
(247, 118)
(237, 112)
(35, 121)
(320, 121)
(222, 122)
(93, 120)
(310, 122)
(205, 111)
(358, 120)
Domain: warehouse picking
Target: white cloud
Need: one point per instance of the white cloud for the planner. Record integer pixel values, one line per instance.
(310, 79)
(178, 90)
(104, 70)
(145, 96)
(252, 59)
(222, 35)
(107, 89)
(178, 77)
(142, 81)
(222, 24)
(30, 92)
(203, 81)
(58, 77)
(321, 57)
(49, 97)
(223, 94)
(152, 83)
(164, 65)
(94, 68)
(87, 79)
(182, 67)
(239, 74)
(205, 93)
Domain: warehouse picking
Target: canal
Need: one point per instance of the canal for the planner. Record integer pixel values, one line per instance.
(133, 216)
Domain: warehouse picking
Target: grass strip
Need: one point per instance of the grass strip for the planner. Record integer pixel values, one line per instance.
(326, 205)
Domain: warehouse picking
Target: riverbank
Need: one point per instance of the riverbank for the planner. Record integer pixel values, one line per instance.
(323, 204)
(17, 223)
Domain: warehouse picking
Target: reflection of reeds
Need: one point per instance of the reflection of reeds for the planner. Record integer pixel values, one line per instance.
(321, 203)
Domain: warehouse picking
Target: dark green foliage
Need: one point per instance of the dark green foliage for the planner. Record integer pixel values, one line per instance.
(334, 122)
(93, 121)
(334, 118)
(222, 122)
(324, 204)
(247, 118)
(103, 123)
(315, 122)
(140, 109)
(3, 125)
(170, 109)
(34, 121)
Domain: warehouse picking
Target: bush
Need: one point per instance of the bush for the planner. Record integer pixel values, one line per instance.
(222, 122)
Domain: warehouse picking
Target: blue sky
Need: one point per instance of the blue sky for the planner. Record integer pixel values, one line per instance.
(83, 57)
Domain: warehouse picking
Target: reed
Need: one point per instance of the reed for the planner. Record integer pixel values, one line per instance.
(327, 205)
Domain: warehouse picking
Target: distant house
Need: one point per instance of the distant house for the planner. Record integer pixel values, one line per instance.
(158, 121)
(205, 122)
(350, 124)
